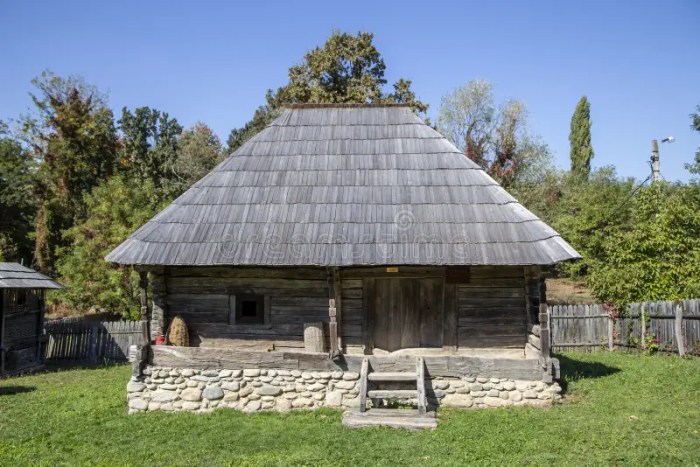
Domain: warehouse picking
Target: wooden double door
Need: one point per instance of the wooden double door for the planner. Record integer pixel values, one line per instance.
(407, 313)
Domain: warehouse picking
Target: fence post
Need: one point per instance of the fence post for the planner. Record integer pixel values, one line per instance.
(92, 348)
(680, 337)
(611, 332)
(643, 325)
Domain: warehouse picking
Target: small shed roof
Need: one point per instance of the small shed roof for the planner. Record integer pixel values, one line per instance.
(16, 276)
(344, 185)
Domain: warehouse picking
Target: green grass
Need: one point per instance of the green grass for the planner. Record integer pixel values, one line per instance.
(79, 416)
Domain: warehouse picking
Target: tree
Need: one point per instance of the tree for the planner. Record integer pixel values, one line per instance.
(150, 145)
(17, 200)
(347, 69)
(73, 137)
(468, 118)
(495, 137)
(580, 140)
(199, 150)
(261, 118)
(658, 258)
(588, 214)
(115, 209)
(694, 167)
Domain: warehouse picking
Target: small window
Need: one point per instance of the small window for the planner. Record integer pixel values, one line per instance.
(250, 309)
(21, 298)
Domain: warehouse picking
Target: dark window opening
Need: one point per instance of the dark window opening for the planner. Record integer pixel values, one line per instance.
(21, 298)
(250, 309)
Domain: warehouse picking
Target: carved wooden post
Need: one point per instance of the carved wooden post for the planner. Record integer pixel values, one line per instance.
(549, 364)
(143, 284)
(544, 321)
(332, 316)
(338, 288)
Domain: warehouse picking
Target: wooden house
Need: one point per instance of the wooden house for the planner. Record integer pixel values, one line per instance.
(22, 317)
(364, 219)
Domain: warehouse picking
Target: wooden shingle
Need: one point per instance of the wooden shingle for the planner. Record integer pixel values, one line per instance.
(342, 185)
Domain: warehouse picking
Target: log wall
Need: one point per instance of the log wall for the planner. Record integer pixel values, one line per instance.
(491, 308)
(484, 306)
(203, 297)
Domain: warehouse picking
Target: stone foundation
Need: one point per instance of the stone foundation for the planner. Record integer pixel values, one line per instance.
(174, 389)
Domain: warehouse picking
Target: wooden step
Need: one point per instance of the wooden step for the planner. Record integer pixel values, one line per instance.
(393, 418)
(392, 394)
(391, 376)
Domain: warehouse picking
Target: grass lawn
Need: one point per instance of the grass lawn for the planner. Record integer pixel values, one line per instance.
(619, 409)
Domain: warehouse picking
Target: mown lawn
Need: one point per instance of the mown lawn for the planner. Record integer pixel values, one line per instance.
(619, 409)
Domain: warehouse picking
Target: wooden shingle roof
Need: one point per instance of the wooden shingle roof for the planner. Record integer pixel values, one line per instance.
(345, 185)
(16, 276)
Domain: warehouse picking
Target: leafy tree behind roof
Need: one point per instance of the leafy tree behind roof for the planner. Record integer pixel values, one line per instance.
(346, 69)
(72, 135)
(17, 200)
(494, 136)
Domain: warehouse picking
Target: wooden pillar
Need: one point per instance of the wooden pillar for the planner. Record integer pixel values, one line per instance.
(545, 343)
(338, 287)
(143, 285)
(368, 315)
(40, 337)
(450, 322)
(332, 314)
(158, 303)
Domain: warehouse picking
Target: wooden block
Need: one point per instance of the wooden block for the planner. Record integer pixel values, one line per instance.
(313, 337)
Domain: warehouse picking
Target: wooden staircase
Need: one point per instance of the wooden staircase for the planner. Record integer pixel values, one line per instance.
(415, 419)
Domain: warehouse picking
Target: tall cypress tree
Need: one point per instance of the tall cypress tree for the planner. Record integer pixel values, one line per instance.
(580, 139)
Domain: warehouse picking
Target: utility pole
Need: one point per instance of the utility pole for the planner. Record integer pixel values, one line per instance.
(655, 164)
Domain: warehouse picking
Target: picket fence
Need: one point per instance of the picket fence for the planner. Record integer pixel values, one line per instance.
(91, 341)
(662, 325)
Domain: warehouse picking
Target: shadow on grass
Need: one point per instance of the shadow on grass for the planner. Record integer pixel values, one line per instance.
(12, 390)
(574, 370)
(67, 365)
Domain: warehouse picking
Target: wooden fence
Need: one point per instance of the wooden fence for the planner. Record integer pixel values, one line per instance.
(92, 341)
(660, 324)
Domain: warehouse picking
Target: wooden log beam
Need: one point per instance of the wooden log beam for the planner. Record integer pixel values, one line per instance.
(435, 366)
(420, 383)
(364, 370)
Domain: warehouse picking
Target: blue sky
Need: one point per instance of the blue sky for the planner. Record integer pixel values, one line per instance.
(213, 61)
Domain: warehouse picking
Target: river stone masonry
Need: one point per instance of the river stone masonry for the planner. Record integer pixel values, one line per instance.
(252, 390)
